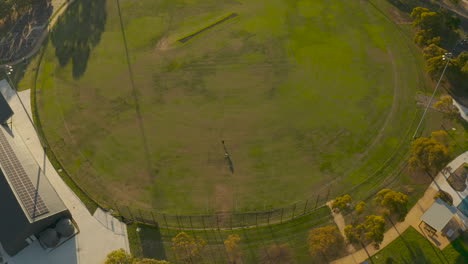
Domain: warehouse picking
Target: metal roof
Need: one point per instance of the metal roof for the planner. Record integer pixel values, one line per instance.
(33, 174)
(19, 180)
(438, 215)
(5, 110)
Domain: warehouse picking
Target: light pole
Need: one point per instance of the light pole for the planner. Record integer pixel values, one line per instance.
(446, 57)
(8, 72)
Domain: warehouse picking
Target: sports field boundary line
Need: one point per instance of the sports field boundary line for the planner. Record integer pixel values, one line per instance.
(89, 202)
(99, 204)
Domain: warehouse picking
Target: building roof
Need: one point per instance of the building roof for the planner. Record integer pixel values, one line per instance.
(41, 189)
(5, 110)
(438, 215)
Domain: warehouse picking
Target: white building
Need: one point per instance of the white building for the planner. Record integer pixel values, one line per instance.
(463, 110)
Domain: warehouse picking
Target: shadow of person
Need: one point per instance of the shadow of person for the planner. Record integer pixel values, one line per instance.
(77, 32)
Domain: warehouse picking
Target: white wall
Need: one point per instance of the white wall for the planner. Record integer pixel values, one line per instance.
(463, 110)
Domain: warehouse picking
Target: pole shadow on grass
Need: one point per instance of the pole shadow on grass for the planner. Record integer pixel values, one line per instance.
(77, 32)
(135, 96)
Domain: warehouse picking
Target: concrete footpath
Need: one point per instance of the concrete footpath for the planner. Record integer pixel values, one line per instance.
(99, 234)
(413, 216)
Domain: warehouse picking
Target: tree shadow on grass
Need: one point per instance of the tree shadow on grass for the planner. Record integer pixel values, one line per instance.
(77, 32)
(152, 243)
(461, 246)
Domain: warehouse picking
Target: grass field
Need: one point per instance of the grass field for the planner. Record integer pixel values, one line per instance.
(156, 243)
(309, 96)
(412, 247)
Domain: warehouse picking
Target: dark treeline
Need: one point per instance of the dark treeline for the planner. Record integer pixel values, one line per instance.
(438, 33)
(9, 8)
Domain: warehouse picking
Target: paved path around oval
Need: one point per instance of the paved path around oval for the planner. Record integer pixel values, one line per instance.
(414, 215)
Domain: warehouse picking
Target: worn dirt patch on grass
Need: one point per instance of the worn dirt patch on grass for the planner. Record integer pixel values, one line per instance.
(223, 197)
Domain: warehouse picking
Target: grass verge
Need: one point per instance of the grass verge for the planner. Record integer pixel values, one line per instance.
(412, 247)
(156, 242)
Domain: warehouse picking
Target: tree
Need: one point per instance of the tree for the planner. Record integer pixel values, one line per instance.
(342, 202)
(426, 37)
(446, 197)
(277, 254)
(371, 231)
(187, 248)
(5, 9)
(462, 62)
(360, 207)
(395, 202)
(233, 249)
(428, 154)
(355, 234)
(432, 51)
(417, 13)
(119, 257)
(434, 26)
(446, 106)
(374, 227)
(122, 257)
(323, 240)
(436, 65)
(150, 261)
(450, 21)
(22, 4)
(428, 20)
(440, 136)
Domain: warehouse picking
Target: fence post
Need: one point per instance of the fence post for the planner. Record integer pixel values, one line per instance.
(190, 218)
(217, 221)
(141, 216)
(178, 222)
(294, 209)
(256, 219)
(165, 220)
(316, 201)
(305, 207)
(117, 208)
(268, 221)
(130, 212)
(203, 222)
(282, 209)
(152, 216)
